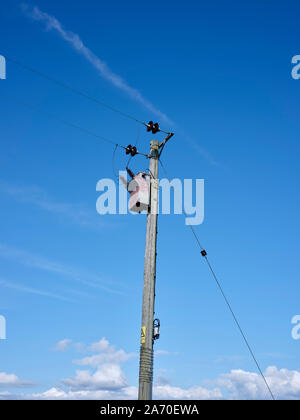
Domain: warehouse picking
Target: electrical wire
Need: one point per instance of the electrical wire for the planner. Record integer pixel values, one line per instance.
(240, 328)
(65, 122)
(113, 165)
(90, 133)
(226, 299)
(56, 117)
(73, 90)
(77, 92)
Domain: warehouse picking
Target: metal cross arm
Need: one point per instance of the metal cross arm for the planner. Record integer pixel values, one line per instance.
(163, 143)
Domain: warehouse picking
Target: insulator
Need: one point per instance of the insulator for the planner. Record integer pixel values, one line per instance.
(155, 128)
(133, 151)
(150, 126)
(130, 173)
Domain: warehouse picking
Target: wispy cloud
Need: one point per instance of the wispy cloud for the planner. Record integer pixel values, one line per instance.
(75, 213)
(26, 289)
(63, 345)
(165, 353)
(51, 23)
(41, 263)
(202, 151)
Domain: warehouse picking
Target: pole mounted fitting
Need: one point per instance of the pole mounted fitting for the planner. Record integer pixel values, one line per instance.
(156, 329)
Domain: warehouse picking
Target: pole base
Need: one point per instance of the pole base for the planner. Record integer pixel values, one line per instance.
(146, 373)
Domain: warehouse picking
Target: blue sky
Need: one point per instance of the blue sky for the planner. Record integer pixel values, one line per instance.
(217, 74)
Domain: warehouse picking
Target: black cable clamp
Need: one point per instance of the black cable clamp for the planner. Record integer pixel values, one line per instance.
(203, 253)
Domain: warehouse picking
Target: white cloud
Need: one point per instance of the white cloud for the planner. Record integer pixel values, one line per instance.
(105, 353)
(103, 69)
(127, 393)
(102, 346)
(284, 383)
(108, 381)
(107, 376)
(131, 393)
(12, 380)
(51, 394)
(111, 357)
(237, 384)
(63, 345)
(168, 392)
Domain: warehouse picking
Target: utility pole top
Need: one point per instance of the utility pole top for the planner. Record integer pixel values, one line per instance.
(154, 144)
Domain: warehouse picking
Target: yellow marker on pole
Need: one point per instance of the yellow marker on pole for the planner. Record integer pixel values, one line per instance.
(143, 335)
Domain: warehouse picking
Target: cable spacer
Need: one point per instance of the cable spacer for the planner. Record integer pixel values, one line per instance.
(203, 253)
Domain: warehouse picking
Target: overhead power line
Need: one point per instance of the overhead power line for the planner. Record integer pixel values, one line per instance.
(169, 135)
(204, 254)
(239, 326)
(65, 122)
(73, 90)
(77, 92)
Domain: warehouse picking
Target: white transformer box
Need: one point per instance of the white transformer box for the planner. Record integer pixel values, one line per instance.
(139, 189)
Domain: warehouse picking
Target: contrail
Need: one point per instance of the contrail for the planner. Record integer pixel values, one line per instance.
(26, 289)
(75, 41)
(38, 262)
(51, 23)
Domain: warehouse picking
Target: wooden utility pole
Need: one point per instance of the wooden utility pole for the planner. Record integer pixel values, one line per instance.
(146, 351)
